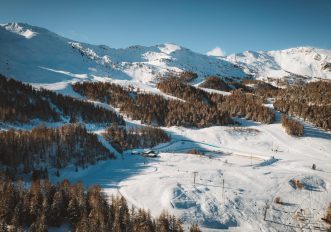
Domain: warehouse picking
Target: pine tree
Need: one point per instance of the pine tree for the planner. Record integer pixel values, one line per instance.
(3, 227)
(39, 225)
(195, 228)
(83, 225)
(73, 210)
(57, 209)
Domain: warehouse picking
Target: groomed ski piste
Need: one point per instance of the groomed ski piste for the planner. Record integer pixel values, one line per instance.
(233, 185)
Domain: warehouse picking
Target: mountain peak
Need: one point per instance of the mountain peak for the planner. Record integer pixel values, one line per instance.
(35, 54)
(306, 62)
(21, 29)
(46, 57)
(169, 47)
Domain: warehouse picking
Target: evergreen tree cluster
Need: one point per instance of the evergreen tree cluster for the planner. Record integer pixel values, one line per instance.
(249, 106)
(22, 103)
(217, 83)
(44, 205)
(183, 90)
(54, 147)
(188, 76)
(258, 87)
(154, 109)
(261, 88)
(226, 84)
(327, 217)
(239, 85)
(292, 127)
(144, 137)
(311, 102)
(237, 104)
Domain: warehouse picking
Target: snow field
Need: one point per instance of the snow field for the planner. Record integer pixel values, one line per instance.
(256, 162)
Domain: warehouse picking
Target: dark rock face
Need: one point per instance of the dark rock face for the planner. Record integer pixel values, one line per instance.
(326, 66)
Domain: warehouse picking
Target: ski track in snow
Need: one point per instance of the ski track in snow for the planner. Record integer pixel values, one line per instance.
(253, 175)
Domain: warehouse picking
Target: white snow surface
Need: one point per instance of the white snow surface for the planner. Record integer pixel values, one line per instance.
(300, 61)
(36, 55)
(19, 29)
(257, 163)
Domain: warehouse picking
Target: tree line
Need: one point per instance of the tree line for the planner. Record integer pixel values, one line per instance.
(50, 147)
(311, 102)
(144, 137)
(188, 76)
(41, 205)
(292, 127)
(238, 103)
(216, 83)
(151, 108)
(226, 84)
(23, 103)
(249, 106)
(257, 87)
(261, 88)
(200, 109)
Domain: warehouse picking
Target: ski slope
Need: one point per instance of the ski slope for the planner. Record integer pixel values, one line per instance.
(256, 162)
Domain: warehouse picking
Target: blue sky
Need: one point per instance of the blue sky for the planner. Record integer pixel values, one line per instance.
(232, 25)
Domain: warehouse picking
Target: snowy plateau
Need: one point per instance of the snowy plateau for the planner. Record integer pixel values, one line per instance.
(233, 186)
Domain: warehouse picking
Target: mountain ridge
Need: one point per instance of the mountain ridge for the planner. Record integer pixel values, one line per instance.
(307, 62)
(36, 55)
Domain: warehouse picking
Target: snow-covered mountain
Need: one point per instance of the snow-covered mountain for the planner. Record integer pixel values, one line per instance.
(301, 62)
(34, 54)
(240, 170)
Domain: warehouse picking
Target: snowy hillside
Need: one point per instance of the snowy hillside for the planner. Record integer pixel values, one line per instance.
(305, 62)
(257, 163)
(34, 54)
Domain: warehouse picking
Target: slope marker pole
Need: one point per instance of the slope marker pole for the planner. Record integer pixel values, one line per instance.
(194, 175)
(251, 160)
(266, 209)
(223, 191)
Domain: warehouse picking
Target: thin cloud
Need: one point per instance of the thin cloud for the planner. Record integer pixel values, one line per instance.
(217, 51)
